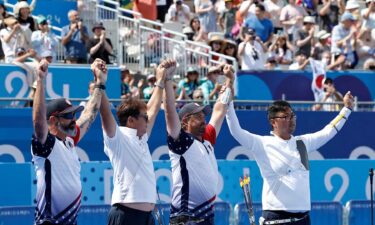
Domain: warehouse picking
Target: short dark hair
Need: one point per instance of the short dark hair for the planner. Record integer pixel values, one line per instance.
(277, 106)
(261, 7)
(328, 81)
(129, 107)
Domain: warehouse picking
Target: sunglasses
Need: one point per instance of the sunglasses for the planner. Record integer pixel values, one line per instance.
(230, 47)
(68, 116)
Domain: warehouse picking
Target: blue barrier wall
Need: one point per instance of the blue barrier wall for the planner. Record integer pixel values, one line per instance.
(63, 80)
(355, 140)
(331, 180)
(296, 85)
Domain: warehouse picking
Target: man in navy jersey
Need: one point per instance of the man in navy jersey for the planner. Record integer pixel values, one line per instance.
(56, 133)
(194, 167)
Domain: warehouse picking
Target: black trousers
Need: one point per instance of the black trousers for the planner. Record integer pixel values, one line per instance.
(269, 215)
(122, 215)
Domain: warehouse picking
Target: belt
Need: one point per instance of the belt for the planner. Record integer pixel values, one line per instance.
(281, 221)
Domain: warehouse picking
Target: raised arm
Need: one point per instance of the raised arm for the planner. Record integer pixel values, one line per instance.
(221, 105)
(171, 116)
(153, 105)
(92, 107)
(39, 107)
(315, 140)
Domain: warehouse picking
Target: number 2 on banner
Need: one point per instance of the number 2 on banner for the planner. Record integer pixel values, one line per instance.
(345, 182)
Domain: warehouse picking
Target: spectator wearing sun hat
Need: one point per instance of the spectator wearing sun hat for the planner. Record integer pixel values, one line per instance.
(322, 44)
(24, 16)
(342, 34)
(304, 38)
(19, 3)
(99, 46)
(43, 39)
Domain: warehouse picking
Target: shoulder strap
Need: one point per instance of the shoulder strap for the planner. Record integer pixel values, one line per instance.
(301, 147)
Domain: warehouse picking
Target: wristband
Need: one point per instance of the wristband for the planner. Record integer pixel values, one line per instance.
(100, 86)
(159, 84)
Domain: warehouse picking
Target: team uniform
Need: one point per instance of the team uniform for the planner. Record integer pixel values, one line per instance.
(194, 176)
(59, 188)
(133, 175)
(284, 166)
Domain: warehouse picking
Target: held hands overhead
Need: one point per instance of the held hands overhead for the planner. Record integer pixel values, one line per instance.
(99, 69)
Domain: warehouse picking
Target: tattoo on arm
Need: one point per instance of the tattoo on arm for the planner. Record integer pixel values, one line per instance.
(91, 111)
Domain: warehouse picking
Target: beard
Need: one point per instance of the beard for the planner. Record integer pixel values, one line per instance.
(69, 130)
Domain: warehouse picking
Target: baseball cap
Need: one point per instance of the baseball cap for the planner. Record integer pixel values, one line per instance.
(46, 53)
(250, 31)
(151, 76)
(213, 69)
(347, 16)
(309, 19)
(192, 108)
(61, 106)
(41, 19)
(20, 50)
(191, 69)
(323, 34)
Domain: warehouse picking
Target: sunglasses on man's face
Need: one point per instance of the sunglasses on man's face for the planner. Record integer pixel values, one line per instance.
(68, 116)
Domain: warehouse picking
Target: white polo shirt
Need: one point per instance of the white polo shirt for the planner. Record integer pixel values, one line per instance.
(133, 170)
(286, 183)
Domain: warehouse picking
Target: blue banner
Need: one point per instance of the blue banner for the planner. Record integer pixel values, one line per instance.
(62, 81)
(355, 140)
(330, 180)
(296, 85)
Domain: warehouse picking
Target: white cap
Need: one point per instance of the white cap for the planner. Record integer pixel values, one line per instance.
(309, 19)
(351, 4)
(46, 53)
(323, 34)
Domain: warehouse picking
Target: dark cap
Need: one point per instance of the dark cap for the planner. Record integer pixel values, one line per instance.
(98, 25)
(20, 50)
(61, 106)
(193, 108)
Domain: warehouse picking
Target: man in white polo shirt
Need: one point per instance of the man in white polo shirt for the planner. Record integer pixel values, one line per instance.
(56, 133)
(134, 191)
(283, 161)
(194, 167)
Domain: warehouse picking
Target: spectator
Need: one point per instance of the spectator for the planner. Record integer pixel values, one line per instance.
(147, 92)
(91, 88)
(20, 3)
(190, 83)
(44, 40)
(366, 41)
(207, 15)
(227, 19)
(229, 49)
(329, 14)
(199, 34)
(3, 15)
(178, 12)
(262, 26)
(301, 62)
(322, 45)
(188, 32)
(369, 64)
(368, 16)
(282, 50)
(128, 89)
(352, 7)
(24, 17)
(210, 87)
(304, 38)
(329, 95)
(271, 64)
(74, 38)
(273, 9)
(162, 9)
(216, 44)
(291, 17)
(99, 46)
(198, 95)
(13, 37)
(252, 52)
(342, 35)
(27, 60)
